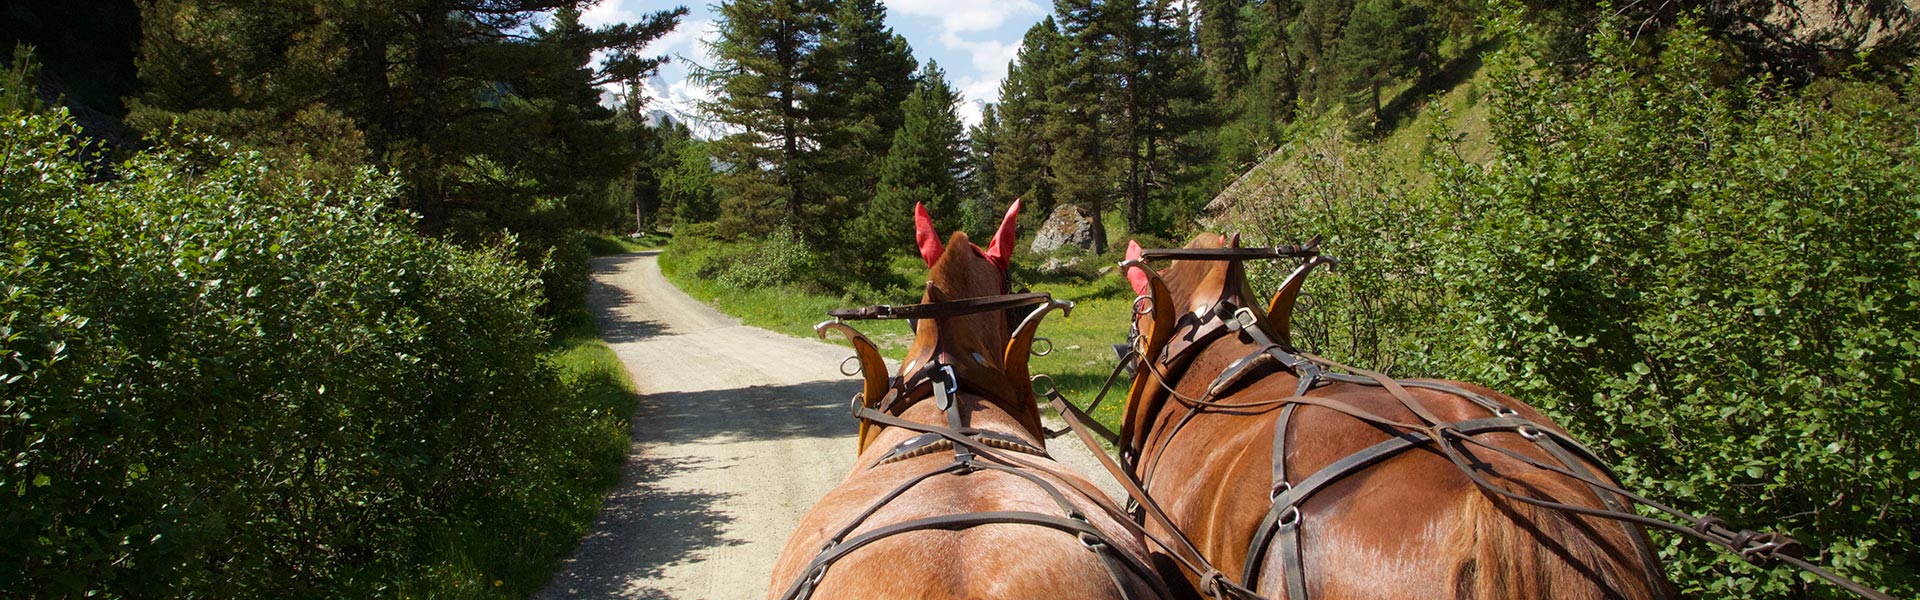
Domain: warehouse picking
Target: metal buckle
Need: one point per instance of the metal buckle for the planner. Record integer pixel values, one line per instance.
(943, 389)
(1242, 319)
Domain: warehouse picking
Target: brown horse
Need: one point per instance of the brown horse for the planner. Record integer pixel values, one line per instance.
(953, 495)
(1311, 483)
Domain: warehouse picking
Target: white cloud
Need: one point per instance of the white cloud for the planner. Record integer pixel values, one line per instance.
(974, 95)
(989, 60)
(966, 15)
(609, 12)
(989, 57)
(686, 42)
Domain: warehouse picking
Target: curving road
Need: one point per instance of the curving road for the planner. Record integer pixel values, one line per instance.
(738, 431)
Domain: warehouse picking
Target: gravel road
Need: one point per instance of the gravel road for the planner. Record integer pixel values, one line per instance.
(738, 431)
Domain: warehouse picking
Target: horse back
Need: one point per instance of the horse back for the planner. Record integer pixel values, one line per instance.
(990, 560)
(1410, 526)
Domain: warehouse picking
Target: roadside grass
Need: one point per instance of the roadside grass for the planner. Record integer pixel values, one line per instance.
(1082, 355)
(510, 547)
(604, 244)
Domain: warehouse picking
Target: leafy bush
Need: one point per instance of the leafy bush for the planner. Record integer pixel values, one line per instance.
(1713, 284)
(219, 382)
(778, 258)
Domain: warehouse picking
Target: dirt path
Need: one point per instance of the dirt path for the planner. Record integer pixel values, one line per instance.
(738, 432)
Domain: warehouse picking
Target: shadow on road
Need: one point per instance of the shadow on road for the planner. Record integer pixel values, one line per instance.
(680, 526)
(760, 412)
(606, 298)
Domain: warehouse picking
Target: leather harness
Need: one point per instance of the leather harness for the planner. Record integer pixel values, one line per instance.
(974, 450)
(1280, 530)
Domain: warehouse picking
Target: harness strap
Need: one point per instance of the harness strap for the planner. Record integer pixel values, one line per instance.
(1308, 250)
(1213, 582)
(1286, 503)
(929, 443)
(817, 570)
(934, 310)
(1557, 446)
(1291, 559)
(1075, 522)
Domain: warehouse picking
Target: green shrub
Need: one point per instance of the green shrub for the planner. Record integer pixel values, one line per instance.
(1712, 284)
(779, 258)
(222, 383)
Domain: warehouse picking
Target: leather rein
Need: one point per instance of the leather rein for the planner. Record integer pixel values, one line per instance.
(974, 450)
(1280, 529)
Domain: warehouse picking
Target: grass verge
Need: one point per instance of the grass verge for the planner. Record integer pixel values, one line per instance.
(510, 547)
(604, 244)
(1082, 354)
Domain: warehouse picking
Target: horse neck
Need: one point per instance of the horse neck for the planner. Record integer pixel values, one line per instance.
(1190, 375)
(978, 369)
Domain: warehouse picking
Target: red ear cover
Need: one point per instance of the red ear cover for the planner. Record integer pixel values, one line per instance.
(924, 237)
(1134, 276)
(1000, 251)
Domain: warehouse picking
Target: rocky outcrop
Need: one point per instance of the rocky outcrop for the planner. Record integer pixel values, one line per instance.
(1067, 226)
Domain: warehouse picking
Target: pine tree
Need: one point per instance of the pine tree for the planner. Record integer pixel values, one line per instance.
(685, 174)
(1168, 105)
(764, 78)
(1023, 166)
(983, 147)
(481, 119)
(925, 164)
(865, 71)
(1083, 94)
(1384, 40)
(1223, 45)
(1312, 33)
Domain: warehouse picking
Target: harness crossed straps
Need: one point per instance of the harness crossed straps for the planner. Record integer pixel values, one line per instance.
(1280, 529)
(974, 450)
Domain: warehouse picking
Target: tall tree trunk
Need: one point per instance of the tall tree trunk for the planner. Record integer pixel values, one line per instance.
(1099, 227)
(789, 122)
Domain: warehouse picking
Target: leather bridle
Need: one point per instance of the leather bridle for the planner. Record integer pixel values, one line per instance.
(974, 449)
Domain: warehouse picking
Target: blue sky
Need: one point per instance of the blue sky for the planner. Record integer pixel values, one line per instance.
(973, 40)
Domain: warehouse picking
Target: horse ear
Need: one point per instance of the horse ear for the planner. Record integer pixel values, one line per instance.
(1134, 276)
(1234, 242)
(924, 237)
(1000, 251)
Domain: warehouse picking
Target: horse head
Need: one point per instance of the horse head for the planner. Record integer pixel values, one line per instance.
(1182, 308)
(962, 327)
